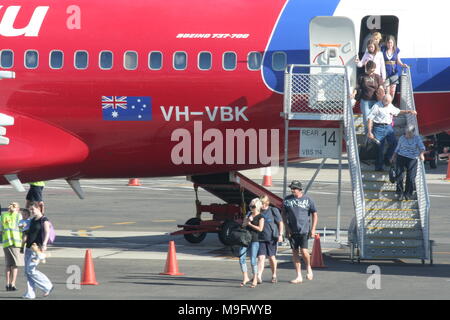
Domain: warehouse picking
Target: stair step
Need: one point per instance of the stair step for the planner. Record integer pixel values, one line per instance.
(393, 243)
(392, 214)
(394, 233)
(390, 204)
(393, 253)
(370, 175)
(379, 185)
(392, 223)
(374, 194)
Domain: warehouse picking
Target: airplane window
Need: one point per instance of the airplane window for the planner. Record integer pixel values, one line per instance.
(6, 59)
(229, 60)
(279, 61)
(180, 60)
(81, 60)
(56, 59)
(131, 60)
(254, 60)
(204, 61)
(31, 59)
(155, 60)
(106, 60)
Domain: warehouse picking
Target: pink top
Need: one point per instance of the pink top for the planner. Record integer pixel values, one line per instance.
(379, 61)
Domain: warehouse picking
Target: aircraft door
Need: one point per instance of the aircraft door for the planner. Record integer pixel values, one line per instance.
(332, 42)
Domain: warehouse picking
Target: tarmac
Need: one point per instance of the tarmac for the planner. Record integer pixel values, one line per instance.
(128, 229)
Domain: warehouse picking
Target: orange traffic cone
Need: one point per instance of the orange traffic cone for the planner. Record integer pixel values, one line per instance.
(267, 178)
(171, 268)
(317, 258)
(134, 182)
(89, 272)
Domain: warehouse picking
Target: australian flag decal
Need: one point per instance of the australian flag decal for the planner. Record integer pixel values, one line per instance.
(126, 108)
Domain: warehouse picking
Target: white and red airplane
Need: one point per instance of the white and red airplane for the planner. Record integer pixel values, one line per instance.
(145, 88)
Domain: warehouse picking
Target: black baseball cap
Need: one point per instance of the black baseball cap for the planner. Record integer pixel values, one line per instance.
(295, 184)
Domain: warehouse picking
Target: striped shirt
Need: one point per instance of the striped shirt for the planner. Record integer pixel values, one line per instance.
(410, 147)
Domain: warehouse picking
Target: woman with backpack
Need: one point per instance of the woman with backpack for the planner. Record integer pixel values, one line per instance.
(38, 233)
(254, 223)
(269, 238)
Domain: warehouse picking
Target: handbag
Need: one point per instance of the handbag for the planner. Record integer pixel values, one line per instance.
(394, 79)
(240, 237)
(392, 174)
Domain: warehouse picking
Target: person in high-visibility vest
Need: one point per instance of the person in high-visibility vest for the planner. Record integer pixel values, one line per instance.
(12, 242)
(34, 195)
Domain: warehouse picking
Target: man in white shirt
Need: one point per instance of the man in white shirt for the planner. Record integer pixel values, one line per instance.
(380, 128)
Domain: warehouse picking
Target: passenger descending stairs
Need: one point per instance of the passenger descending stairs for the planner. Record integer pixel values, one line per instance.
(389, 228)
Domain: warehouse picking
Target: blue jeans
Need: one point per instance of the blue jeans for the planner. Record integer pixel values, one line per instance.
(35, 278)
(365, 106)
(253, 249)
(384, 133)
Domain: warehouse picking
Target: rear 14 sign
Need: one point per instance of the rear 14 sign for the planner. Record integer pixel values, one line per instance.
(320, 142)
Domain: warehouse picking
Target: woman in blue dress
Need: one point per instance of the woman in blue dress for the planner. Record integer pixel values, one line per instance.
(391, 61)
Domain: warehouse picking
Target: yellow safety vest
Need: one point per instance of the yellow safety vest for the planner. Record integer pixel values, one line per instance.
(11, 235)
(38, 184)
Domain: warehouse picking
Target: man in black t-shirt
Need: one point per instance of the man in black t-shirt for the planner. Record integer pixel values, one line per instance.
(297, 209)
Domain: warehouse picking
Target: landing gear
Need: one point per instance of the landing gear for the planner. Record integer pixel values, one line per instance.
(225, 218)
(193, 237)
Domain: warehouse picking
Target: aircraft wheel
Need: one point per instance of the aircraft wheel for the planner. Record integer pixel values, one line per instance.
(194, 237)
(225, 230)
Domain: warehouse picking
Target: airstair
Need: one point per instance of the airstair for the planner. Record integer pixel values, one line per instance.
(384, 227)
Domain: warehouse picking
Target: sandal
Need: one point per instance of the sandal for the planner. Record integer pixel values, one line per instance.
(274, 280)
(243, 283)
(253, 285)
(296, 281)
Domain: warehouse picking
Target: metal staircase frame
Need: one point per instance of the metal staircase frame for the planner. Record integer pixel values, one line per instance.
(423, 198)
(301, 110)
(328, 111)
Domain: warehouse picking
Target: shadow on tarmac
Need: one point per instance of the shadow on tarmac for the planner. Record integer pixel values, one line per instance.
(340, 262)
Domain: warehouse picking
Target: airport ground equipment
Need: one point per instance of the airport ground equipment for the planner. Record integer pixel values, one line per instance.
(384, 227)
(236, 191)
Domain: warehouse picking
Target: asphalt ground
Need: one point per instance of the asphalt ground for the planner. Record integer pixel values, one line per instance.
(127, 229)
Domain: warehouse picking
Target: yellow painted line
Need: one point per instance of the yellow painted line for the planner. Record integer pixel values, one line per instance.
(392, 209)
(123, 223)
(393, 219)
(95, 227)
(164, 221)
(82, 233)
(442, 252)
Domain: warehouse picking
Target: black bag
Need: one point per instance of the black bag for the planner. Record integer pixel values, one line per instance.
(368, 151)
(240, 237)
(358, 94)
(392, 174)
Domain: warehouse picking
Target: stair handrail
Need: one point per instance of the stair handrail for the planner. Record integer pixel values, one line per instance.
(354, 165)
(423, 198)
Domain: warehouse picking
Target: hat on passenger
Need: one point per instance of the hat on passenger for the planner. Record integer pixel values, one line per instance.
(295, 184)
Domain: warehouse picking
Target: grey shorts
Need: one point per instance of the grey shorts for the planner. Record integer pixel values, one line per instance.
(13, 257)
(299, 240)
